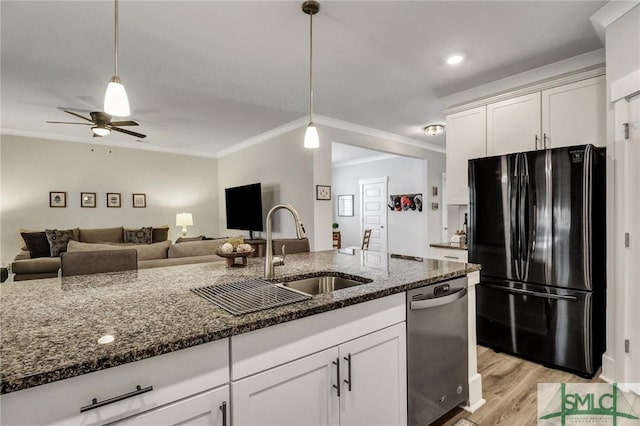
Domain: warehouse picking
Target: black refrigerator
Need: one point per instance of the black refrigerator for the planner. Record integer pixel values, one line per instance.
(537, 227)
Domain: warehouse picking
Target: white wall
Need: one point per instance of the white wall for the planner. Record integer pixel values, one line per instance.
(623, 58)
(285, 169)
(32, 167)
(410, 232)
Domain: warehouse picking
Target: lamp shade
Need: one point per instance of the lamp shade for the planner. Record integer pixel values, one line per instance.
(184, 219)
(311, 139)
(116, 101)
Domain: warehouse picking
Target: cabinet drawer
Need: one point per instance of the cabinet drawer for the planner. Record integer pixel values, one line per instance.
(452, 255)
(173, 376)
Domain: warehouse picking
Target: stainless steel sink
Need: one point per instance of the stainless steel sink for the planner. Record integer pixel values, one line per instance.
(323, 284)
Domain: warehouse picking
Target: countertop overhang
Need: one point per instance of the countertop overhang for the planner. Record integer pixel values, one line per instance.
(50, 327)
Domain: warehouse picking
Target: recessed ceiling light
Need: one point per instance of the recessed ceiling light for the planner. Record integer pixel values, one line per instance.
(454, 59)
(434, 129)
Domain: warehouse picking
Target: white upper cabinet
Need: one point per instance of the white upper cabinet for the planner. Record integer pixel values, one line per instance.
(575, 114)
(513, 125)
(466, 139)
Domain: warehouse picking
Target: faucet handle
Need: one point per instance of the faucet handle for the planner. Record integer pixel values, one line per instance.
(279, 260)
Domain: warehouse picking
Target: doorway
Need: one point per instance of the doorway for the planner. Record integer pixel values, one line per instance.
(373, 212)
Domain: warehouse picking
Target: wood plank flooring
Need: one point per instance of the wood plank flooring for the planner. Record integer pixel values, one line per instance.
(509, 385)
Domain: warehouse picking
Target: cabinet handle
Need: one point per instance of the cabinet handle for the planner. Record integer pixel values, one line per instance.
(95, 404)
(537, 141)
(544, 137)
(348, 381)
(452, 257)
(223, 408)
(337, 364)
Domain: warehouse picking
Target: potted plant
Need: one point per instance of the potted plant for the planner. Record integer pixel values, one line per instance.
(335, 226)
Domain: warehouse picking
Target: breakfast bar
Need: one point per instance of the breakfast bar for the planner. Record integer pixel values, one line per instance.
(58, 335)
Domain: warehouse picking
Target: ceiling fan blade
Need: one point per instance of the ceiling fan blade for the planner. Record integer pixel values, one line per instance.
(124, 123)
(69, 122)
(78, 115)
(129, 132)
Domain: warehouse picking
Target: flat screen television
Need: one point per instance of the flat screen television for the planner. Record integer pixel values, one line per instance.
(244, 208)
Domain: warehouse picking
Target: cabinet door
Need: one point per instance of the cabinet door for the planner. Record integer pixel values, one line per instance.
(298, 393)
(374, 391)
(513, 125)
(206, 409)
(575, 114)
(466, 139)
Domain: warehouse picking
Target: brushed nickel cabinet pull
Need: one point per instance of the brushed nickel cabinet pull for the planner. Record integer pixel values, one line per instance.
(223, 408)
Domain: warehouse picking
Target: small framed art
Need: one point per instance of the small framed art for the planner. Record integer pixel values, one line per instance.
(113, 199)
(323, 192)
(139, 200)
(57, 199)
(87, 199)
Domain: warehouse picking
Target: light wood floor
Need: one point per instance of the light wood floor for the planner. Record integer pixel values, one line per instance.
(509, 386)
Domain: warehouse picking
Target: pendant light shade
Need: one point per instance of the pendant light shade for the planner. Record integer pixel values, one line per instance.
(116, 102)
(311, 139)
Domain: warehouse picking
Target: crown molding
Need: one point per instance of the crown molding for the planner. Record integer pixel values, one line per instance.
(539, 86)
(608, 14)
(263, 137)
(142, 146)
(381, 134)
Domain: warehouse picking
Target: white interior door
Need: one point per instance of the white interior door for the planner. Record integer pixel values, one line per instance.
(373, 193)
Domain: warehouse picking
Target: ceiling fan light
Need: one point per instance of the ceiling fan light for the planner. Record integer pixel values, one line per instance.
(100, 131)
(116, 101)
(311, 139)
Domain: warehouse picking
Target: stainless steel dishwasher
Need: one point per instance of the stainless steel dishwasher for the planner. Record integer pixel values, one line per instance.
(437, 351)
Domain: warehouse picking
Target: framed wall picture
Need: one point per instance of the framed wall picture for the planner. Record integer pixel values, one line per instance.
(323, 192)
(57, 199)
(113, 199)
(87, 199)
(139, 200)
(345, 205)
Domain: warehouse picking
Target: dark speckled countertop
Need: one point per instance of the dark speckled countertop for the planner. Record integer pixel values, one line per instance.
(50, 328)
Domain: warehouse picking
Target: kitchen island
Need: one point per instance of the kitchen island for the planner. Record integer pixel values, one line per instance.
(51, 329)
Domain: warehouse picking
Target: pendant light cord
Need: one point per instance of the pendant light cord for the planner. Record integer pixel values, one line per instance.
(310, 67)
(115, 49)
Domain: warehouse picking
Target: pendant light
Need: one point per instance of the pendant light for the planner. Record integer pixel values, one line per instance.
(311, 139)
(116, 102)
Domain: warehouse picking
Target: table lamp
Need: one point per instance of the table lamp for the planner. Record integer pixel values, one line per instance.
(184, 220)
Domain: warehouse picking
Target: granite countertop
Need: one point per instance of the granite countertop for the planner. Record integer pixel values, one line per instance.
(455, 246)
(50, 327)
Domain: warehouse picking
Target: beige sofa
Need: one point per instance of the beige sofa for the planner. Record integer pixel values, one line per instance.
(158, 253)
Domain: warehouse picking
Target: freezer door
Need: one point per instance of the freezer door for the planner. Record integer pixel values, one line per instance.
(558, 218)
(553, 326)
(493, 216)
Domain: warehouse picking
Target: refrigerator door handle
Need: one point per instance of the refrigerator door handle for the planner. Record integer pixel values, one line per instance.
(586, 215)
(514, 219)
(531, 293)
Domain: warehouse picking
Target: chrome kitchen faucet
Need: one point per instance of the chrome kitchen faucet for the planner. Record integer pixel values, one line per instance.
(269, 271)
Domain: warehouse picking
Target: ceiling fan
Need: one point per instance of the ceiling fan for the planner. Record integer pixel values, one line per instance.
(101, 124)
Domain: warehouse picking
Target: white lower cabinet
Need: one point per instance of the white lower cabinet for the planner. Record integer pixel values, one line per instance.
(360, 382)
(298, 393)
(209, 408)
(167, 382)
(374, 379)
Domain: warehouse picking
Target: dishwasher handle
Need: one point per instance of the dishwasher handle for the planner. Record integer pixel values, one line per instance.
(438, 301)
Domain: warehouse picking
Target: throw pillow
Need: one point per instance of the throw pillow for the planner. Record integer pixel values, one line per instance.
(58, 240)
(138, 236)
(37, 244)
(160, 233)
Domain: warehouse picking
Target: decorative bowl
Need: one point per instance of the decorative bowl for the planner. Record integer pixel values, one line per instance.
(231, 257)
